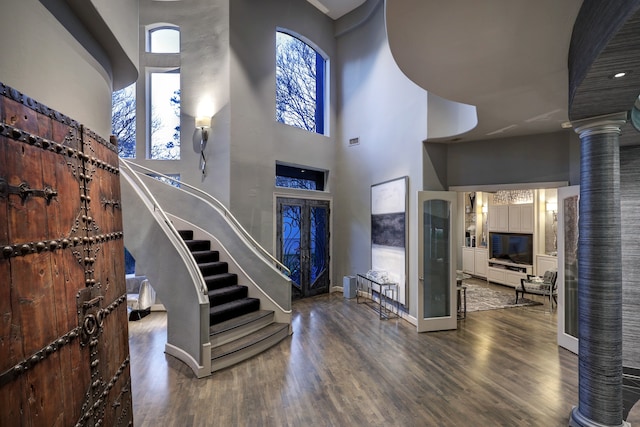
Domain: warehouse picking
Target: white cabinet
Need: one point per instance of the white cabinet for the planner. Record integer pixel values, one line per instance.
(468, 260)
(526, 218)
(521, 218)
(498, 218)
(512, 278)
(474, 261)
(511, 218)
(546, 263)
(481, 257)
(507, 273)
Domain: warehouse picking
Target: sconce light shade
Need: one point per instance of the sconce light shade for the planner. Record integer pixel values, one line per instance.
(485, 209)
(552, 206)
(200, 138)
(203, 122)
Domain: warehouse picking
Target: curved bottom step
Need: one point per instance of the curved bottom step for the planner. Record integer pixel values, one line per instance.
(248, 346)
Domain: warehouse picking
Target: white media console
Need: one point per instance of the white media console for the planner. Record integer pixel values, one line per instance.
(507, 273)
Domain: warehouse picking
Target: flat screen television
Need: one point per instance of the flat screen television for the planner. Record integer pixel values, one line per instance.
(512, 247)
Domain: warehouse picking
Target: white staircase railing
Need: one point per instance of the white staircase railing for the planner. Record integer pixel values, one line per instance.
(150, 235)
(152, 240)
(217, 205)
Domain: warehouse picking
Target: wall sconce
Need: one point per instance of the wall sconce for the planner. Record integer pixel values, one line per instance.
(485, 209)
(201, 136)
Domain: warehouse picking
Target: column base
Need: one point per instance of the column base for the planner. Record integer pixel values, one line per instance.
(579, 420)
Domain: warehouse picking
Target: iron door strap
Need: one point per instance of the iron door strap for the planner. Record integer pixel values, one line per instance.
(24, 191)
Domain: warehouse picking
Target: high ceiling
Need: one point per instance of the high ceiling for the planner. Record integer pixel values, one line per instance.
(336, 8)
(508, 58)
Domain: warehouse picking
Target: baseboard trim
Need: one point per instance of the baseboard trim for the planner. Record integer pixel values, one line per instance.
(201, 371)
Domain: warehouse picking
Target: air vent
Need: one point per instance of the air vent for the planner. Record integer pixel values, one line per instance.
(354, 141)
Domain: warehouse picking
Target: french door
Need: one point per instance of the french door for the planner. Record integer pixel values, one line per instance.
(436, 261)
(568, 198)
(303, 244)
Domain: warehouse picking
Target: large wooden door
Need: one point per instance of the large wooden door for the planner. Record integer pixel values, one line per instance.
(64, 355)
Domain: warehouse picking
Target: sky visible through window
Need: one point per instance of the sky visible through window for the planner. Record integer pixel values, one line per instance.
(165, 137)
(299, 84)
(164, 40)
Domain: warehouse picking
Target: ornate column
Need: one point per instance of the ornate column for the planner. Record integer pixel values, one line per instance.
(599, 274)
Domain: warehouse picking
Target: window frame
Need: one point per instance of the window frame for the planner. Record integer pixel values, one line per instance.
(149, 110)
(286, 170)
(160, 27)
(322, 76)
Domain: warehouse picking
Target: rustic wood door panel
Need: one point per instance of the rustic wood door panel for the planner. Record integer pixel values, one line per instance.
(64, 354)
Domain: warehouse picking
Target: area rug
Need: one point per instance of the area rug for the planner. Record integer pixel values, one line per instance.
(480, 297)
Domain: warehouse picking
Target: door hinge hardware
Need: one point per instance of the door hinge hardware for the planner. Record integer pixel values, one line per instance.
(24, 191)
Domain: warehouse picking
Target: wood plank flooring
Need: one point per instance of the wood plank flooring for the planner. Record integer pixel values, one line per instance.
(345, 367)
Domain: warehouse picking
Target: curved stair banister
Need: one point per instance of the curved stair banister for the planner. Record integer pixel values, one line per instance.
(152, 239)
(204, 211)
(201, 218)
(217, 205)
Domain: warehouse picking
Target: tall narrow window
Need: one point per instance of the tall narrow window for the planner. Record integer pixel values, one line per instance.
(165, 39)
(300, 84)
(165, 115)
(123, 120)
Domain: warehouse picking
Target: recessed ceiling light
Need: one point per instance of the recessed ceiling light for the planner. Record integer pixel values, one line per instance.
(619, 75)
(566, 125)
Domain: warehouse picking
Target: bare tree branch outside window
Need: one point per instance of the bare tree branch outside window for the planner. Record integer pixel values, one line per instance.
(123, 120)
(296, 83)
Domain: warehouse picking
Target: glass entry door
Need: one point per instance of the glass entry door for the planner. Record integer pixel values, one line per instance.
(303, 244)
(568, 198)
(437, 308)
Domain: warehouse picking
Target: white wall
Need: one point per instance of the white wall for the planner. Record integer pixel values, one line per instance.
(258, 141)
(42, 59)
(550, 157)
(204, 85)
(379, 105)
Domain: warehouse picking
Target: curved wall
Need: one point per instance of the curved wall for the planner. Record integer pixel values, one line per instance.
(45, 61)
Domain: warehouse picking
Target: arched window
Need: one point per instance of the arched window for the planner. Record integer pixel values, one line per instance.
(300, 83)
(163, 39)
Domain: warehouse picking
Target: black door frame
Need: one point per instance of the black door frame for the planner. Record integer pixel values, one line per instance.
(323, 281)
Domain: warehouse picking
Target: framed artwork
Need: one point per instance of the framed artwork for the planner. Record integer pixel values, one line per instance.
(389, 232)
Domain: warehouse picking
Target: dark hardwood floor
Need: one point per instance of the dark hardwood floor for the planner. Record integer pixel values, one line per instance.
(345, 367)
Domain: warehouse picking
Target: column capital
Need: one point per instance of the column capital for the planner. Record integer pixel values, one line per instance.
(606, 124)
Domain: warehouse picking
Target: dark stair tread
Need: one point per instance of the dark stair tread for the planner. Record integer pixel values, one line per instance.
(198, 245)
(238, 321)
(227, 294)
(186, 234)
(206, 256)
(247, 340)
(212, 264)
(229, 310)
(217, 281)
(213, 268)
